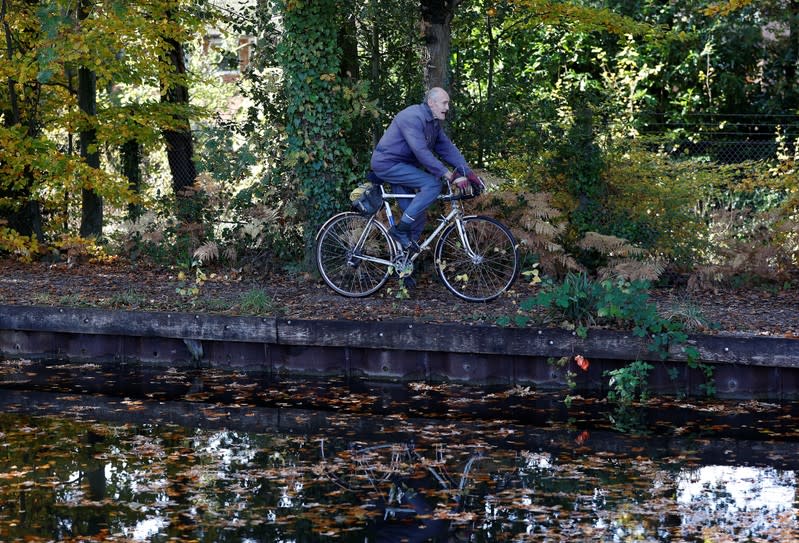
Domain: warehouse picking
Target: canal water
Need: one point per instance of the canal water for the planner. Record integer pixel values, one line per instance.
(92, 454)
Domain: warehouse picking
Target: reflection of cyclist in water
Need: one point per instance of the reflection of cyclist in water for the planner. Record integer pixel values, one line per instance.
(410, 518)
(412, 493)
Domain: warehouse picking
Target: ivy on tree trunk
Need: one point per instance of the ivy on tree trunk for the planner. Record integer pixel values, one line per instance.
(317, 157)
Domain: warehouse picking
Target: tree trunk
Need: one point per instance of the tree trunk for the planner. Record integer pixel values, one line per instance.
(91, 219)
(489, 103)
(436, 18)
(131, 153)
(27, 219)
(348, 42)
(792, 85)
(374, 59)
(179, 143)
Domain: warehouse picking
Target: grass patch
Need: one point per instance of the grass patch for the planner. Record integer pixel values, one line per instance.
(129, 298)
(687, 313)
(256, 302)
(41, 298)
(73, 300)
(217, 304)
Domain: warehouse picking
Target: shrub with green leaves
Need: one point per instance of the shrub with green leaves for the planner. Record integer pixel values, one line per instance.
(629, 383)
(580, 302)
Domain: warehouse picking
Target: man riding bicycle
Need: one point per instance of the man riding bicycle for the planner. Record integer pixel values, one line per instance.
(409, 156)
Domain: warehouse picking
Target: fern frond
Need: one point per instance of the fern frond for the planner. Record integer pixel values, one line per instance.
(633, 270)
(265, 213)
(543, 228)
(557, 263)
(553, 247)
(230, 254)
(609, 245)
(252, 229)
(207, 252)
(539, 204)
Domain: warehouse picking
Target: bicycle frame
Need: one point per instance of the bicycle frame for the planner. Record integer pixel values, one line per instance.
(455, 214)
(476, 257)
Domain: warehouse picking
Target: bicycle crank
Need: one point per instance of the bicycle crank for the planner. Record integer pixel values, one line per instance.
(403, 265)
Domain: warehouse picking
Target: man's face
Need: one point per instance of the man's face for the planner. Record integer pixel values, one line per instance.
(439, 105)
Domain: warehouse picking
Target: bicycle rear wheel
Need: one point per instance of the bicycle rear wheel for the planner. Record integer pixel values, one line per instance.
(482, 266)
(342, 260)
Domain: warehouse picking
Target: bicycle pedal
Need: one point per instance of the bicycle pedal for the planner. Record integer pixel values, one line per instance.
(410, 250)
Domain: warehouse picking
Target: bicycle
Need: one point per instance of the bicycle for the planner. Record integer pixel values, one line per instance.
(476, 257)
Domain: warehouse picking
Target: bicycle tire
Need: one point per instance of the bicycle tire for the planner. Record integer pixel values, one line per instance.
(493, 268)
(338, 260)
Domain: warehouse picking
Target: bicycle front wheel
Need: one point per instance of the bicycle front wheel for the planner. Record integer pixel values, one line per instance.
(346, 255)
(478, 262)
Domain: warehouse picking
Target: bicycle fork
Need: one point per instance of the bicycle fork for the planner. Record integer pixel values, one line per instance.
(467, 246)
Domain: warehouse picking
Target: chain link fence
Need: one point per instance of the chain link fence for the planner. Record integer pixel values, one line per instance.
(724, 138)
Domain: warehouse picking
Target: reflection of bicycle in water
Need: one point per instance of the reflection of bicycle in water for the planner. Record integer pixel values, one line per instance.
(476, 257)
(419, 497)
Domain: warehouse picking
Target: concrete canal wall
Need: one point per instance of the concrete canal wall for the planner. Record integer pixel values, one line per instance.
(744, 366)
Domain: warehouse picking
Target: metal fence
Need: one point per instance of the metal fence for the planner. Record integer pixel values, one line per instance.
(724, 138)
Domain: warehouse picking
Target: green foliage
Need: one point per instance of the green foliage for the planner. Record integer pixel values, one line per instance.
(581, 303)
(562, 97)
(256, 302)
(574, 301)
(122, 44)
(318, 161)
(651, 201)
(629, 383)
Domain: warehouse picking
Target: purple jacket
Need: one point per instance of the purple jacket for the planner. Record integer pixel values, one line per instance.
(415, 137)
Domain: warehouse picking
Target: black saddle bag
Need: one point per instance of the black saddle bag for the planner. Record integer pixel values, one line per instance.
(367, 198)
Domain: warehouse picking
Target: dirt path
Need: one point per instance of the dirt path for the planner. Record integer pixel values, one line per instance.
(122, 286)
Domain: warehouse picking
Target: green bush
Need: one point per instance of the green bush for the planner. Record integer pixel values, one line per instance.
(582, 303)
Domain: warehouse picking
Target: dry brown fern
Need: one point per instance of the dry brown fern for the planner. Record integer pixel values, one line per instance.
(207, 252)
(633, 270)
(764, 249)
(539, 228)
(625, 261)
(611, 246)
(536, 224)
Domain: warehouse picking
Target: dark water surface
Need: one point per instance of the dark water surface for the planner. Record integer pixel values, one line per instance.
(89, 453)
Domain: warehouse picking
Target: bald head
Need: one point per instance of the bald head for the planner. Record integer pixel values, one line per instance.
(438, 101)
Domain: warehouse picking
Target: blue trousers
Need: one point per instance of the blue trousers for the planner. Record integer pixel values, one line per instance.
(408, 179)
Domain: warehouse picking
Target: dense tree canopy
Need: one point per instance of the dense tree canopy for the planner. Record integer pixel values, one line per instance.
(56, 53)
(598, 102)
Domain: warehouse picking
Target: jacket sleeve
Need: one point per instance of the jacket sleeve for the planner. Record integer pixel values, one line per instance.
(449, 153)
(412, 129)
